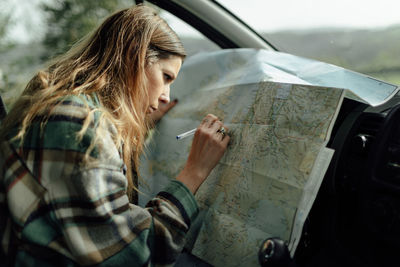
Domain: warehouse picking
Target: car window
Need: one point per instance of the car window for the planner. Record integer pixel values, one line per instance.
(361, 35)
(31, 32)
(193, 41)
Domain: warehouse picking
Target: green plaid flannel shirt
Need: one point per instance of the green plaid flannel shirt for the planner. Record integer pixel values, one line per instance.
(57, 211)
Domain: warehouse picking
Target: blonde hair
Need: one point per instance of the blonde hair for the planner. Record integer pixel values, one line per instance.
(111, 63)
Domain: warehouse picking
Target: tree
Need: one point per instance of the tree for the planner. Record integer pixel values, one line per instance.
(5, 22)
(70, 20)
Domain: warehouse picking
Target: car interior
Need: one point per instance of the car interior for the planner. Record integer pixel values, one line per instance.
(356, 216)
(354, 219)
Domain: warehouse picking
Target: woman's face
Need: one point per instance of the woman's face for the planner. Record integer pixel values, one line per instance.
(160, 75)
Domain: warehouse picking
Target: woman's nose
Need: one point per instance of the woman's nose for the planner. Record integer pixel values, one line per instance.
(164, 97)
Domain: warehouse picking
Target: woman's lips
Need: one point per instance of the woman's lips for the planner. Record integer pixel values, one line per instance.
(151, 109)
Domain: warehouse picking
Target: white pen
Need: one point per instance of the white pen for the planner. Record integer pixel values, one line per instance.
(186, 134)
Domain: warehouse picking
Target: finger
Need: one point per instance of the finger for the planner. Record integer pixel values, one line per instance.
(208, 120)
(171, 104)
(216, 126)
(166, 107)
(223, 131)
(205, 120)
(225, 140)
(226, 132)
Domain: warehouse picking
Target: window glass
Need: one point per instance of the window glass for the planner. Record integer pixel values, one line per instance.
(32, 32)
(193, 41)
(361, 35)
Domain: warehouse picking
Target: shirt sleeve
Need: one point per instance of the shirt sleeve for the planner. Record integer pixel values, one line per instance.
(88, 207)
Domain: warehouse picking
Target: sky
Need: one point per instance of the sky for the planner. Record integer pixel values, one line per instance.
(273, 15)
(263, 15)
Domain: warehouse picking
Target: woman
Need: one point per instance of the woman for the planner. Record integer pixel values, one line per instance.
(71, 145)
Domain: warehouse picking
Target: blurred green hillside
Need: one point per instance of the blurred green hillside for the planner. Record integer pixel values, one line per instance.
(372, 52)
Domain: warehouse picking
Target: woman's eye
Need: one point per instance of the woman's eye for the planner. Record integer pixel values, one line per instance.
(167, 77)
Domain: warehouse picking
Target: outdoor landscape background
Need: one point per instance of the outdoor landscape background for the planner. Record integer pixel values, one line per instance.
(375, 52)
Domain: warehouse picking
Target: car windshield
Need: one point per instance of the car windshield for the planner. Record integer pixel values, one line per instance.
(361, 35)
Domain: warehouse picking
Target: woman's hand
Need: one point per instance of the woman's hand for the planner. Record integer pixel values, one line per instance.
(163, 108)
(209, 145)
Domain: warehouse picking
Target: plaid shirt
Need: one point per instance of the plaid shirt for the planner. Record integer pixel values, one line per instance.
(56, 210)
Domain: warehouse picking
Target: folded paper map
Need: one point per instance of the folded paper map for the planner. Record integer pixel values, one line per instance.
(279, 121)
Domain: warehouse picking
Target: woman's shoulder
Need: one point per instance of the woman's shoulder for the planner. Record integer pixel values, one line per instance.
(75, 108)
(89, 100)
(79, 102)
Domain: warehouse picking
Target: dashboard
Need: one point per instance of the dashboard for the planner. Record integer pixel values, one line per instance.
(356, 216)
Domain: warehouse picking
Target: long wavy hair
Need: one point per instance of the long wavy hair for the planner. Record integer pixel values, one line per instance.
(110, 62)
